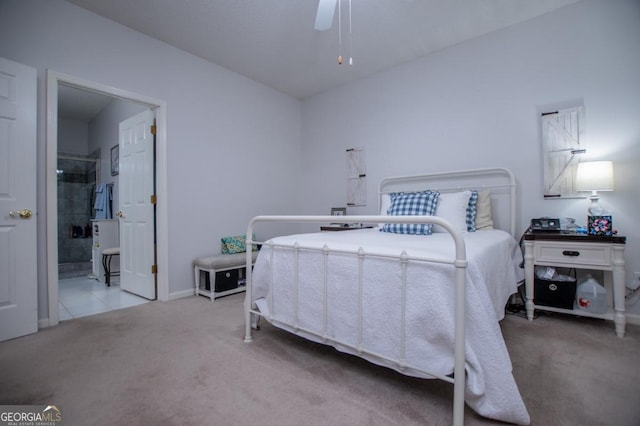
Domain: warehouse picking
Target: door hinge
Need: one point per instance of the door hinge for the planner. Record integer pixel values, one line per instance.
(154, 269)
(153, 199)
(153, 129)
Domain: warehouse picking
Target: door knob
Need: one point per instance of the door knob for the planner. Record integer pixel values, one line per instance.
(120, 214)
(24, 214)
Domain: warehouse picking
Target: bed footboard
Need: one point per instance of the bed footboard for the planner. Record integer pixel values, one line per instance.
(459, 261)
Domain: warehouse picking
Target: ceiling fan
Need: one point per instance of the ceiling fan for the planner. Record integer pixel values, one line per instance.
(324, 15)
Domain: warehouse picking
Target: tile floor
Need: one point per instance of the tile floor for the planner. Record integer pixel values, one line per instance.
(83, 296)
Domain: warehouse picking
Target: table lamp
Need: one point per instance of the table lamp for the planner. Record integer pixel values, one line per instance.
(595, 176)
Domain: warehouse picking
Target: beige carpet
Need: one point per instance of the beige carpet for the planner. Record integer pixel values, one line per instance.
(184, 363)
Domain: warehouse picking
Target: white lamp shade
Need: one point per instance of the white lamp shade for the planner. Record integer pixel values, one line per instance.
(594, 176)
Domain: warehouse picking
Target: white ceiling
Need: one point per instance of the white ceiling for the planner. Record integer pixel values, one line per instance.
(274, 42)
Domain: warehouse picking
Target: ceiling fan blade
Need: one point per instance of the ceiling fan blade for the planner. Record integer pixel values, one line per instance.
(324, 16)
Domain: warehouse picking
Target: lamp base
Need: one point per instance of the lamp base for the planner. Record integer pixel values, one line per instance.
(594, 208)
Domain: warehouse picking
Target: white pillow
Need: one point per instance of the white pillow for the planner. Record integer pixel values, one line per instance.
(483, 211)
(385, 203)
(452, 206)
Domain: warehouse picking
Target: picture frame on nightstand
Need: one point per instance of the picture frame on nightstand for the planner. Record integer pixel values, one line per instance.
(338, 211)
(600, 225)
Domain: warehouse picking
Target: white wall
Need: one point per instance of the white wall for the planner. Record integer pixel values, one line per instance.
(477, 105)
(221, 126)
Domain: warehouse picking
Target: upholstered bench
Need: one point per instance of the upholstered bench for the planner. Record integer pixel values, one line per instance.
(218, 263)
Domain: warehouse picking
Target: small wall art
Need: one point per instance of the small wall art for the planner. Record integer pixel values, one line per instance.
(115, 160)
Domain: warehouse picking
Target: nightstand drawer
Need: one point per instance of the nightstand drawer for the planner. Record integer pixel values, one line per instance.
(574, 254)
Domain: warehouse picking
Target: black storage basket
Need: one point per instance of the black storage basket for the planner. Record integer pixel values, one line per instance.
(557, 294)
(226, 280)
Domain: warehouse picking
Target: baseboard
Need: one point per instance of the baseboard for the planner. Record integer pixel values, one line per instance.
(181, 294)
(43, 323)
(633, 319)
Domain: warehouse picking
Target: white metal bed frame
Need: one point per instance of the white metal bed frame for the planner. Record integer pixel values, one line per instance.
(459, 262)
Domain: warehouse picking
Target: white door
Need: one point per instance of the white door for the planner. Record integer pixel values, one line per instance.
(137, 210)
(18, 251)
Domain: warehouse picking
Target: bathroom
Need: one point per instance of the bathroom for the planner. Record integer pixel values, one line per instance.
(76, 188)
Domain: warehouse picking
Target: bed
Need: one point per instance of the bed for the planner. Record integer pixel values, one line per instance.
(418, 293)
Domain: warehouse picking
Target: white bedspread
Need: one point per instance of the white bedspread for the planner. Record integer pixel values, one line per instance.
(492, 275)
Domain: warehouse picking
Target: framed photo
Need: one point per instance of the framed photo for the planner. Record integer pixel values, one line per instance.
(338, 211)
(600, 225)
(115, 160)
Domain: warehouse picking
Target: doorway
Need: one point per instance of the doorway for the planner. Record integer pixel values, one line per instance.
(54, 82)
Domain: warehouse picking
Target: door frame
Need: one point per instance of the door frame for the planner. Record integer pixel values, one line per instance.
(55, 78)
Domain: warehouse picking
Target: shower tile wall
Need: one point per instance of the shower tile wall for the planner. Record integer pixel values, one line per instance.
(76, 183)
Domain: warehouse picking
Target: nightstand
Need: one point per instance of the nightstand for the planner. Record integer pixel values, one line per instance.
(344, 227)
(580, 252)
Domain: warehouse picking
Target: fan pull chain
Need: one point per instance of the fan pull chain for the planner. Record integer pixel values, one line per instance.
(339, 32)
(350, 38)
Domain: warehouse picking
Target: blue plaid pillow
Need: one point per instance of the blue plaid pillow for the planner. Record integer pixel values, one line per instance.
(472, 210)
(411, 204)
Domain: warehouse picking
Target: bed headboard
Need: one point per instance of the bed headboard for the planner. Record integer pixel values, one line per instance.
(499, 181)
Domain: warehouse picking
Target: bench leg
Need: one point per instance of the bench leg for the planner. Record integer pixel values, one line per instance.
(196, 273)
(212, 282)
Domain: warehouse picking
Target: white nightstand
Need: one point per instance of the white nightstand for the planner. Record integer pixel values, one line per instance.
(579, 252)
